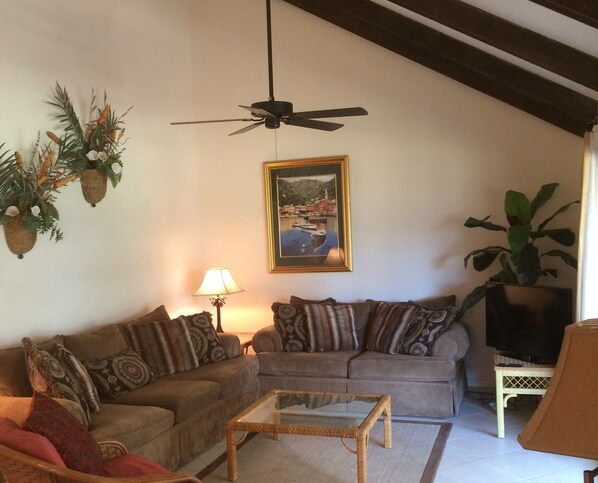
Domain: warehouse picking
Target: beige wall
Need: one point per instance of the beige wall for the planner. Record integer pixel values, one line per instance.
(431, 153)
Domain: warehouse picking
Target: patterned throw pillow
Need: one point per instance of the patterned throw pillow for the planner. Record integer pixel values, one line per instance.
(48, 376)
(389, 326)
(206, 342)
(67, 359)
(165, 346)
(75, 445)
(330, 327)
(289, 320)
(426, 325)
(119, 374)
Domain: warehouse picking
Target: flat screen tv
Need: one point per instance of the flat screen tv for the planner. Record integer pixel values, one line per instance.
(527, 322)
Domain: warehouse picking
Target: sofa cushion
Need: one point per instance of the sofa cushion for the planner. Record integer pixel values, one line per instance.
(205, 341)
(27, 442)
(133, 426)
(373, 365)
(99, 344)
(232, 375)
(425, 328)
(330, 327)
(311, 364)
(119, 373)
(164, 345)
(389, 326)
(183, 398)
(68, 360)
(301, 301)
(48, 376)
(289, 321)
(18, 408)
(75, 445)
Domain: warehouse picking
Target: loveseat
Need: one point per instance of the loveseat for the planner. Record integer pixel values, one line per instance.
(168, 418)
(423, 371)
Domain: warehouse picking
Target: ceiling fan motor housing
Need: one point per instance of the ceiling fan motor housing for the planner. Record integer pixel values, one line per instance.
(276, 108)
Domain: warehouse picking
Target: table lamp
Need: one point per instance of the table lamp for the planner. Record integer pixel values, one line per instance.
(216, 283)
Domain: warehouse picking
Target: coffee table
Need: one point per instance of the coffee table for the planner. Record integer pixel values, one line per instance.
(341, 415)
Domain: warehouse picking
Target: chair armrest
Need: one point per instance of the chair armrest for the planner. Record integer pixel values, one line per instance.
(267, 339)
(112, 449)
(231, 344)
(453, 343)
(17, 466)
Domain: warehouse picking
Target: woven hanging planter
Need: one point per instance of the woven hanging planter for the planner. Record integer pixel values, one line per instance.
(94, 184)
(18, 238)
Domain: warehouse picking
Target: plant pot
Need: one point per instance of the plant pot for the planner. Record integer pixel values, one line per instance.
(93, 184)
(18, 238)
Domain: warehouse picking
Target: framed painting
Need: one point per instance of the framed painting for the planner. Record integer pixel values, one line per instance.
(308, 215)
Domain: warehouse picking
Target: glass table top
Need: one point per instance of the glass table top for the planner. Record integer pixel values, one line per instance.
(333, 410)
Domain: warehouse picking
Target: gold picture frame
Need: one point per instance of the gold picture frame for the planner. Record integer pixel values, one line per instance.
(308, 215)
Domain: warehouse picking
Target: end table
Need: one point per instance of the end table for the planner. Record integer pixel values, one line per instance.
(527, 378)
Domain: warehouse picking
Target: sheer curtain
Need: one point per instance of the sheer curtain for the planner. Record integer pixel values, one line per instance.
(587, 275)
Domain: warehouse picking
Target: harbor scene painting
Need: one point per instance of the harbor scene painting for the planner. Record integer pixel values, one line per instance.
(307, 215)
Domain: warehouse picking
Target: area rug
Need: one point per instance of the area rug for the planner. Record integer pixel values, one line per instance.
(416, 451)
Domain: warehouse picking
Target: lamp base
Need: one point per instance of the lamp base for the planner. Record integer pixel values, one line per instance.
(218, 301)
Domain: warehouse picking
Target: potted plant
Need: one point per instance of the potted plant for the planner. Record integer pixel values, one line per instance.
(520, 261)
(92, 151)
(27, 196)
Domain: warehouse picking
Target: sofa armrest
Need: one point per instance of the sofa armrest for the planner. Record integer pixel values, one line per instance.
(267, 339)
(453, 343)
(18, 409)
(231, 344)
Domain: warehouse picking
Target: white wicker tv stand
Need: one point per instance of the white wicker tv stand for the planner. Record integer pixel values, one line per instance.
(511, 381)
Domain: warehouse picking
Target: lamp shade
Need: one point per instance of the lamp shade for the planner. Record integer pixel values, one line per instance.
(566, 421)
(218, 281)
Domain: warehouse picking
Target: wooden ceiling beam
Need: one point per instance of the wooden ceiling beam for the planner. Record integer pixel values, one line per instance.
(585, 11)
(510, 37)
(529, 92)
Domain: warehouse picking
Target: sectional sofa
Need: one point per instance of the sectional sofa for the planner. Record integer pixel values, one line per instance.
(169, 419)
(422, 381)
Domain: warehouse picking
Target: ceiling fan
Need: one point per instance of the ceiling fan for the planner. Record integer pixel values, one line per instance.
(272, 113)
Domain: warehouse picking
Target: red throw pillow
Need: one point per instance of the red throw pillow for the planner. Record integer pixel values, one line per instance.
(131, 465)
(32, 444)
(76, 446)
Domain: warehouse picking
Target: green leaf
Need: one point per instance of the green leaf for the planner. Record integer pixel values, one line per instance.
(563, 236)
(517, 208)
(527, 264)
(506, 275)
(568, 259)
(562, 209)
(472, 298)
(476, 223)
(543, 195)
(483, 255)
(518, 236)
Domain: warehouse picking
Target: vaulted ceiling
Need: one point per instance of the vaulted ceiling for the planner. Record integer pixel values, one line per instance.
(537, 94)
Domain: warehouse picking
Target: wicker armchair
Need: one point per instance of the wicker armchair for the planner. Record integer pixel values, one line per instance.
(17, 467)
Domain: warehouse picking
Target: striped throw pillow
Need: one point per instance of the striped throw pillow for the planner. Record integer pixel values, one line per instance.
(389, 326)
(165, 346)
(330, 327)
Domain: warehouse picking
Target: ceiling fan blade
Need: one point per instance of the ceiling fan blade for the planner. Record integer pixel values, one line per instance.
(313, 124)
(343, 112)
(213, 120)
(247, 128)
(256, 111)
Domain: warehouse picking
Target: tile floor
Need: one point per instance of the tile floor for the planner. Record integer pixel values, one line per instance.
(474, 454)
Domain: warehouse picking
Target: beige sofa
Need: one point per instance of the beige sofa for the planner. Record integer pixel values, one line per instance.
(169, 420)
(429, 386)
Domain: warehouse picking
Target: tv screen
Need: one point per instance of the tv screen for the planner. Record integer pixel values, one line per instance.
(527, 321)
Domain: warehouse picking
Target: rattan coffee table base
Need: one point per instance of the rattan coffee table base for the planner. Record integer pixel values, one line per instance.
(268, 420)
